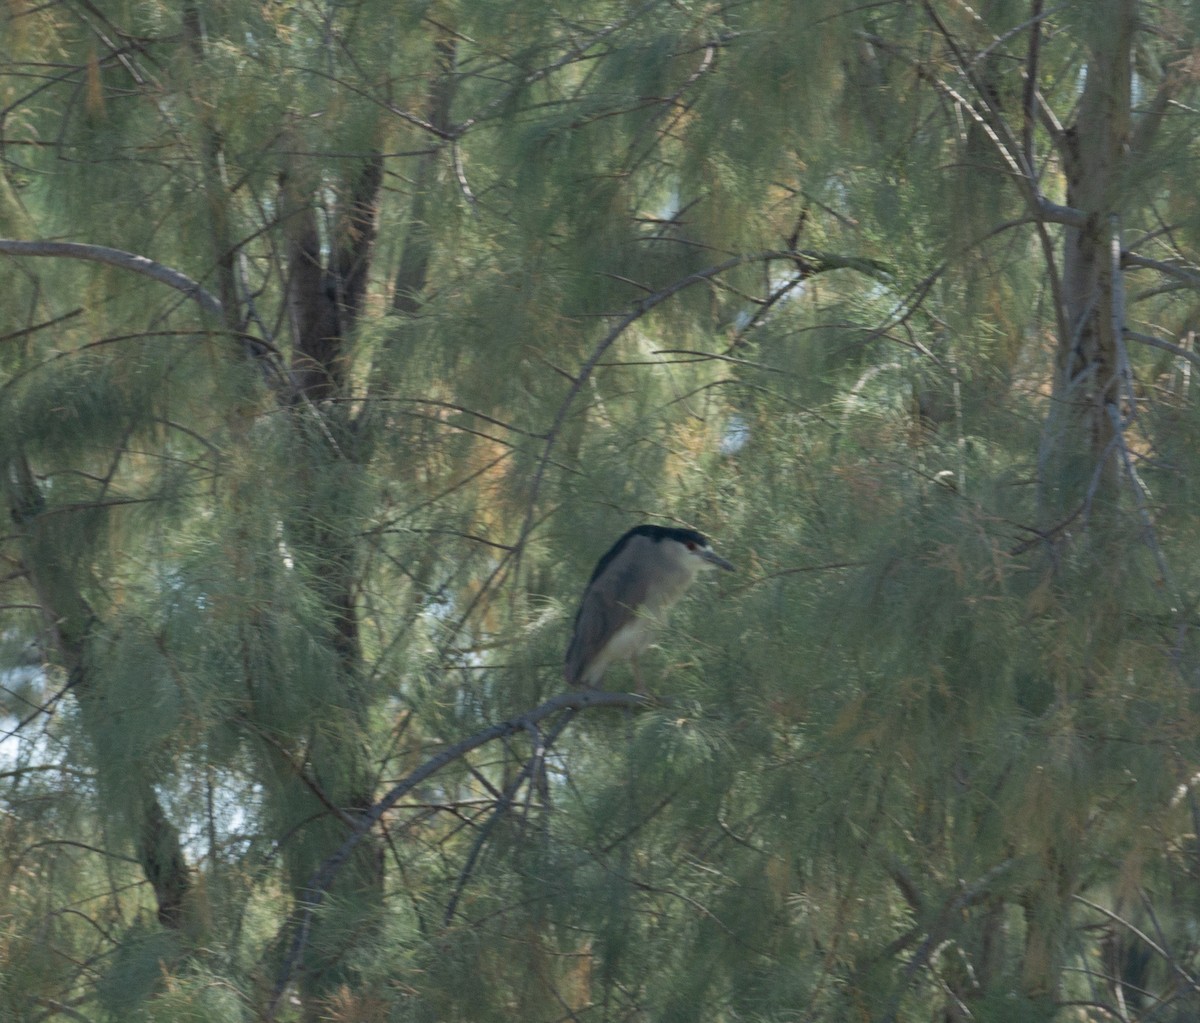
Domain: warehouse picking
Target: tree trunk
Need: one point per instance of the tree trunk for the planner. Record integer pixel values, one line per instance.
(1092, 370)
(324, 300)
(1091, 389)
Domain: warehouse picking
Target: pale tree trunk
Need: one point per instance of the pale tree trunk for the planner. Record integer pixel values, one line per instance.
(1091, 398)
(1092, 375)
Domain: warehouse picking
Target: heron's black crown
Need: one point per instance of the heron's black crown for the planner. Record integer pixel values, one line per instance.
(687, 537)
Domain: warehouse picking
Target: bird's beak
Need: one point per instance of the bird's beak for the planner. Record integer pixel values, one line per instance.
(717, 561)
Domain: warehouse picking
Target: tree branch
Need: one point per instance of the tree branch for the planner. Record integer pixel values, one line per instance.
(322, 878)
(1152, 341)
(1187, 276)
(505, 801)
(263, 352)
(208, 302)
(1142, 936)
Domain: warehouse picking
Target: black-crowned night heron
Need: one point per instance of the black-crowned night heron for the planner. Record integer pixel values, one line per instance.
(631, 591)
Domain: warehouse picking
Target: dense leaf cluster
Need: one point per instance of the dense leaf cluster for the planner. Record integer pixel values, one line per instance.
(338, 341)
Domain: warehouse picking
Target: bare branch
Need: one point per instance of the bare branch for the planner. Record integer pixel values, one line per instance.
(173, 278)
(321, 880)
(264, 353)
(965, 897)
(1184, 274)
(505, 801)
(1157, 342)
(1142, 936)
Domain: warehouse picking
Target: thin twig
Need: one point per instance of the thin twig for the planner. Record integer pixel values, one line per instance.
(318, 885)
(503, 805)
(1150, 943)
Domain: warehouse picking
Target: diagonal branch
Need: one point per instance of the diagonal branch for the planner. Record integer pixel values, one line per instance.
(942, 925)
(208, 302)
(503, 804)
(1172, 962)
(323, 877)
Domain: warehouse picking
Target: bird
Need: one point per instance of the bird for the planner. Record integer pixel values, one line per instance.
(631, 591)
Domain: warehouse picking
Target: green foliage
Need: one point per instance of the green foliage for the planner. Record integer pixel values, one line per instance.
(791, 273)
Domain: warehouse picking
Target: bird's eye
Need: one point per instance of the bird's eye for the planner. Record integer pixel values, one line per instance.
(691, 545)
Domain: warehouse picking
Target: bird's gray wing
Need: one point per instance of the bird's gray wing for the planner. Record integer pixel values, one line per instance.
(598, 620)
(610, 602)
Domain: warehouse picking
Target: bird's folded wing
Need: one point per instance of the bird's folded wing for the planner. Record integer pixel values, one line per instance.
(599, 619)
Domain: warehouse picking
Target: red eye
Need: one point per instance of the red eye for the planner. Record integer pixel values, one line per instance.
(691, 545)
